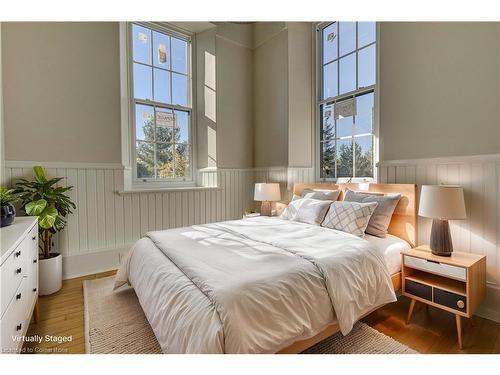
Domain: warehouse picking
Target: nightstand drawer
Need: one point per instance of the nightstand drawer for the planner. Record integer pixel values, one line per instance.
(451, 300)
(418, 289)
(455, 272)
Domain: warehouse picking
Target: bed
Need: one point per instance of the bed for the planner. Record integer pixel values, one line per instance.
(264, 285)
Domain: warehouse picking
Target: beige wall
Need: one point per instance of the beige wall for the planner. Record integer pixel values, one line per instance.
(64, 77)
(439, 92)
(439, 89)
(300, 95)
(270, 69)
(283, 94)
(234, 96)
(61, 91)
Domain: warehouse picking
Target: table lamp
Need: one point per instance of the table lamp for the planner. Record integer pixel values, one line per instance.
(442, 203)
(267, 193)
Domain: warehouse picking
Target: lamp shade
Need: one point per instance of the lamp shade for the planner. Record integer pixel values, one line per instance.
(444, 202)
(267, 192)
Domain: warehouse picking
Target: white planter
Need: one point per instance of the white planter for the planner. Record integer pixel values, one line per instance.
(50, 271)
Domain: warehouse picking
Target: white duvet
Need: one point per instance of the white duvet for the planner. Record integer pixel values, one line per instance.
(253, 286)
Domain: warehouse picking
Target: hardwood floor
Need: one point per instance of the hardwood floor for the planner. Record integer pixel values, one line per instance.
(61, 314)
(430, 331)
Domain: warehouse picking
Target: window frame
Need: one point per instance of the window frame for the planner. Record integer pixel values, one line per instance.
(319, 101)
(151, 183)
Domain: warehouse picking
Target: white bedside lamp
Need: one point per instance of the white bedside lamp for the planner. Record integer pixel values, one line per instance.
(442, 203)
(267, 193)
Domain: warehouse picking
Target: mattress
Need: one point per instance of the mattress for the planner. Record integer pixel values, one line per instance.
(391, 247)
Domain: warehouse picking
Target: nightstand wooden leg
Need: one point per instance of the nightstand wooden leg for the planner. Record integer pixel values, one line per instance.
(410, 311)
(459, 330)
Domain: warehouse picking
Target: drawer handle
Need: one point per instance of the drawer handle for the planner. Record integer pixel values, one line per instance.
(34, 289)
(35, 260)
(17, 254)
(18, 296)
(33, 238)
(19, 326)
(460, 304)
(18, 270)
(432, 261)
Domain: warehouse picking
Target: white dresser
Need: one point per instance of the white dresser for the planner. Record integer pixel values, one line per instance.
(18, 281)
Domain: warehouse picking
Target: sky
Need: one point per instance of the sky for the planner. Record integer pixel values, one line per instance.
(339, 39)
(165, 58)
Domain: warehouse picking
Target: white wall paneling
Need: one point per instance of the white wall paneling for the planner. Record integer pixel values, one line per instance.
(480, 232)
(286, 176)
(106, 223)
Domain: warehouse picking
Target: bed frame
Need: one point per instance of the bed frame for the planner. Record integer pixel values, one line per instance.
(403, 225)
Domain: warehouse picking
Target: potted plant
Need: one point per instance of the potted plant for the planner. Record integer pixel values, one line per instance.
(44, 199)
(8, 211)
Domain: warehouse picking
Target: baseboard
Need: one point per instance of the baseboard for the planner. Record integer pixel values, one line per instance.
(94, 262)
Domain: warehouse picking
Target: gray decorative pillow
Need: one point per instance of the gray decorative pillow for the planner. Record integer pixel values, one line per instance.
(350, 217)
(323, 195)
(292, 209)
(305, 210)
(381, 218)
(312, 211)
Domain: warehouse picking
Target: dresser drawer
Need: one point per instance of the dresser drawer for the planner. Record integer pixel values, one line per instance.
(451, 300)
(12, 272)
(33, 273)
(455, 272)
(418, 289)
(13, 322)
(32, 260)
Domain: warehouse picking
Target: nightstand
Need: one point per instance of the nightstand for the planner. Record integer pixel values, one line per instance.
(456, 284)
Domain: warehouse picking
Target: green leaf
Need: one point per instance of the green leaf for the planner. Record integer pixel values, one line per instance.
(8, 195)
(35, 208)
(39, 174)
(47, 218)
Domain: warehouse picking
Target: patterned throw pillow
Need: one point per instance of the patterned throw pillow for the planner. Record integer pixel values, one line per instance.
(350, 217)
(381, 218)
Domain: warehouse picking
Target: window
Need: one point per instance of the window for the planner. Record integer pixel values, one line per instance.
(347, 57)
(160, 76)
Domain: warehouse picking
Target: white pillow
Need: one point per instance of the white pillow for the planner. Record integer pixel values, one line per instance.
(321, 194)
(350, 217)
(305, 210)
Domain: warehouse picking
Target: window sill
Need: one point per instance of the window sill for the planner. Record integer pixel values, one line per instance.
(169, 190)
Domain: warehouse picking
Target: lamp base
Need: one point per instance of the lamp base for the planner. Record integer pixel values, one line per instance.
(265, 208)
(441, 244)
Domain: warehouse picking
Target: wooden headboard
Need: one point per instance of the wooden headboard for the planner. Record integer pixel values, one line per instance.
(404, 219)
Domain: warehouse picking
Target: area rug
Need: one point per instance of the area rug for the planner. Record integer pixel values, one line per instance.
(116, 324)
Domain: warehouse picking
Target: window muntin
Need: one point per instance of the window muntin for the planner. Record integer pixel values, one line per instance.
(347, 75)
(161, 104)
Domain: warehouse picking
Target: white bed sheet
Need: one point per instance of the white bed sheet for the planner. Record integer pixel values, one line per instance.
(391, 247)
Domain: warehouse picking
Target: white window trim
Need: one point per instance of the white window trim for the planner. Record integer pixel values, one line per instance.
(317, 77)
(131, 183)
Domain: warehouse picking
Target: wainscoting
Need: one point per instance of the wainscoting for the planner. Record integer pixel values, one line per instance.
(106, 223)
(480, 232)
